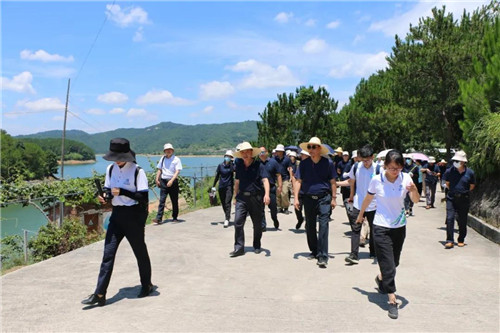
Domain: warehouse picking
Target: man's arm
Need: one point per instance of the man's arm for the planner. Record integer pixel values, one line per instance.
(334, 193)
(236, 189)
(296, 190)
(352, 183)
(267, 188)
(158, 175)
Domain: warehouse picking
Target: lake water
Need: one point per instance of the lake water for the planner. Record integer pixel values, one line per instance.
(15, 218)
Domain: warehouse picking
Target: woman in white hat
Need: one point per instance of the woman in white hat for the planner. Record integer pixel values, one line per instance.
(225, 172)
(316, 179)
(251, 188)
(460, 181)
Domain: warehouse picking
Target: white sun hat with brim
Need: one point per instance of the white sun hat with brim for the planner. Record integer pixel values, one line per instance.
(287, 152)
(279, 147)
(432, 159)
(460, 156)
(229, 153)
(292, 153)
(345, 153)
(305, 152)
(315, 141)
(246, 146)
(168, 146)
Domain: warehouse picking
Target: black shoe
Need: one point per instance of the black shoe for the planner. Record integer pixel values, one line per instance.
(393, 310)
(286, 211)
(237, 253)
(276, 225)
(145, 291)
(95, 299)
(352, 259)
(257, 251)
(264, 229)
(298, 225)
(379, 285)
(322, 262)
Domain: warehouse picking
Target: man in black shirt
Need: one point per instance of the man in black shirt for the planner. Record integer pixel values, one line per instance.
(225, 172)
(275, 184)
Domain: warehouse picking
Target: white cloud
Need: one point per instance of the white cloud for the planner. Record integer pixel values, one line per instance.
(234, 106)
(113, 97)
(314, 46)
(358, 39)
(44, 56)
(333, 24)
(54, 71)
(400, 23)
(96, 111)
(117, 111)
(361, 65)
(44, 104)
(264, 75)
(19, 83)
(283, 17)
(161, 97)
(126, 16)
(133, 112)
(139, 35)
(310, 23)
(209, 109)
(216, 90)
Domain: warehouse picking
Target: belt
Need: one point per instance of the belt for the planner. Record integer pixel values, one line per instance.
(249, 194)
(461, 195)
(317, 196)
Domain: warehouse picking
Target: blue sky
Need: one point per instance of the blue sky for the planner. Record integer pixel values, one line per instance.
(135, 64)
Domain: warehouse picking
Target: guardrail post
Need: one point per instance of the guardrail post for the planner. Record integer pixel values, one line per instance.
(25, 246)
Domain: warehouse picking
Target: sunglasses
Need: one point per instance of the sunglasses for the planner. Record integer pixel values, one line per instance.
(312, 146)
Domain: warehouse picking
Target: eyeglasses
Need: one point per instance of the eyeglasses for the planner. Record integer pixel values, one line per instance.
(312, 146)
(394, 169)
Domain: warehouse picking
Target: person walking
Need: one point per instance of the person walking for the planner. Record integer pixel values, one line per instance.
(412, 169)
(298, 212)
(316, 179)
(360, 176)
(283, 199)
(460, 181)
(126, 187)
(343, 167)
(251, 189)
(442, 170)
(169, 168)
(275, 186)
(389, 190)
(224, 174)
(432, 173)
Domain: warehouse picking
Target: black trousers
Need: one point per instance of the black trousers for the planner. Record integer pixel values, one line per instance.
(345, 191)
(388, 246)
(460, 206)
(273, 207)
(317, 209)
(129, 222)
(248, 205)
(298, 212)
(173, 191)
(356, 230)
(226, 195)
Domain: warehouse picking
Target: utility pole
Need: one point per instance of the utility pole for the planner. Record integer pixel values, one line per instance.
(61, 207)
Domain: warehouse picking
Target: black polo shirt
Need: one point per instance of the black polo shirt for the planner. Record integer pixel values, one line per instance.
(284, 163)
(344, 167)
(250, 178)
(459, 182)
(225, 175)
(316, 177)
(429, 177)
(273, 168)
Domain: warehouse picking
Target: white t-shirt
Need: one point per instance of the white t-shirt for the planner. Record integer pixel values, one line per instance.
(363, 177)
(125, 178)
(168, 166)
(390, 199)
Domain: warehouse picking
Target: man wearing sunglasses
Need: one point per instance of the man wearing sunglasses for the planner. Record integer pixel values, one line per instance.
(316, 178)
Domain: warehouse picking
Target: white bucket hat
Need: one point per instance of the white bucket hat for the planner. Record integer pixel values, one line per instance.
(294, 154)
(280, 147)
(432, 159)
(315, 141)
(168, 146)
(354, 153)
(460, 156)
(305, 152)
(345, 153)
(287, 152)
(229, 153)
(245, 146)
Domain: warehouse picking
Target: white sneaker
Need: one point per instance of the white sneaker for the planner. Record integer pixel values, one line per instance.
(226, 223)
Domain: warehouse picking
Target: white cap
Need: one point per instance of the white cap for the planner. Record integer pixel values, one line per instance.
(345, 153)
(168, 146)
(229, 153)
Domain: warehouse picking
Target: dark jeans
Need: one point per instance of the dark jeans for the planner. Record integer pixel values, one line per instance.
(460, 206)
(388, 246)
(419, 188)
(356, 230)
(226, 195)
(298, 212)
(317, 209)
(430, 193)
(408, 203)
(248, 205)
(273, 207)
(345, 191)
(126, 222)
(173, 191)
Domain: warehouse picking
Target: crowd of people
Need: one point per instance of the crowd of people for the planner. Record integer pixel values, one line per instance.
(378, 196)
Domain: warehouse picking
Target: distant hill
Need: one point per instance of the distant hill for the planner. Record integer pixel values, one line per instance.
(187, 139)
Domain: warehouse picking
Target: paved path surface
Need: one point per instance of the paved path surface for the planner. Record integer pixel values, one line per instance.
(201, 289)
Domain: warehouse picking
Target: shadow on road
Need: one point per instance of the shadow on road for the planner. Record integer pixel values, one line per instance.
(380, 299)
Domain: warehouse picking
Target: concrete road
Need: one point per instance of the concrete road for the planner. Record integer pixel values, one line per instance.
(202, 289)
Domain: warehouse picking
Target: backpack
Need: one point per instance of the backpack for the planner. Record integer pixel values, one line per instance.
(355, 169)
(143, 205)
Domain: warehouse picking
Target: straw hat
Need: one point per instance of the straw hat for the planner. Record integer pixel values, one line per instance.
(339, 150)
(442, 161)
(460, 156)
(119, 151)
(245, 146)
(314, 141)
(229, 153)
(168, 146)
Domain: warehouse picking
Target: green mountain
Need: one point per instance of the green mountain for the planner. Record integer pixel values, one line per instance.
(187, 139)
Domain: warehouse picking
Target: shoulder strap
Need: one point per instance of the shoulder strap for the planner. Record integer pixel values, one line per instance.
(135, 176)
(162, 160)
(355, 168)
(377, 169)
(110, 169)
